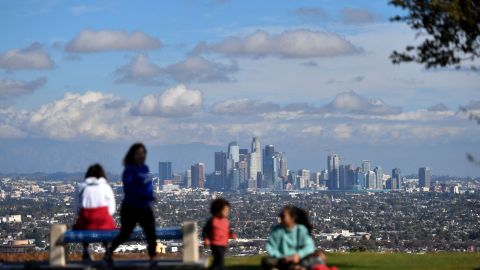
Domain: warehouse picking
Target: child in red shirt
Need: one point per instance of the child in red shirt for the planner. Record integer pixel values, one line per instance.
(217, 232)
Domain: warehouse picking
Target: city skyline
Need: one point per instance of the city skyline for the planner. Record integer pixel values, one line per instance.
(238, 169)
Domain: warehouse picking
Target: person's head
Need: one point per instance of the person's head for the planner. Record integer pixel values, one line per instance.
(292, 215)
(136, 155)
(220, 208)
(96, 171)
(288, 216)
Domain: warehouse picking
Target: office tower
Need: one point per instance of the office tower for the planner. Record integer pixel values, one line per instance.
(198, 175)
(269, 168)
(243, 154)
(361, 179)
(333, 163)
(315, 178)
(243, 173)
(292, 178)
(164, 171)
(260, 180)
(379, 175)
(424, 177)
(323, 178)
(220, 173)
(234, 180)
(255, 159)
(366, 166)
(371, 180)
(187, 178)
(281, 159)
(303, 179)
(233, 155)
(396, 182)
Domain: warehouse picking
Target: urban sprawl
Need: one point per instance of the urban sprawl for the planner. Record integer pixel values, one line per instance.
(352, 208)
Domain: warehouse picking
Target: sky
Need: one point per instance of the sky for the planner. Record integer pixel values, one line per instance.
(81, 80)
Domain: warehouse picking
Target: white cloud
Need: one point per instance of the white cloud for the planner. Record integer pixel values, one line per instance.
(139, 70)
(197, 68)
(301, 43)
(173, 102)
(342, 131)
(315, 130)
(88, 41)
(77, 116)
(351, 102)
(31, 57)
(357, 16)
(311, 14)
(440, 107)
(12, 88)
(243, 106)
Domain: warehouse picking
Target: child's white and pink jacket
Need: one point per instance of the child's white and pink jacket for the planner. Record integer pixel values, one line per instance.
(95, 205)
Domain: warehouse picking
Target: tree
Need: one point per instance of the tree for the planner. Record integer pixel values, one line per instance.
(451, 31)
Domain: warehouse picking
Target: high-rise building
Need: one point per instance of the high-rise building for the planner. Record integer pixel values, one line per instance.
(220, 174)
(198, 175)
(234, 180)
(164, 171)
(281, 160)
(396, 179)
(243, 173)
(333, 163)
(361, 179)
(269, 168)
(255, 159)
(233, 155)
(371, 180)
(424, 177)
(366, 166)
(379, 175)
(303, 179)
(187, 178)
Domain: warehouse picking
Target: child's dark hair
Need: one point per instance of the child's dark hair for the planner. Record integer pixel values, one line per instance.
(299, 215)
(96, 171)
(218, 205)
(129, 157)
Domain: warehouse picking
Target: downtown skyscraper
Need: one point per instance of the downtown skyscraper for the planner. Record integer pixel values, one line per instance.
(333, 164)
(164, 171)
(255, 160)
(424, 177)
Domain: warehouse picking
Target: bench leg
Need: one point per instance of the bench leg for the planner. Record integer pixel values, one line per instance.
(190, 242)
(57, 249)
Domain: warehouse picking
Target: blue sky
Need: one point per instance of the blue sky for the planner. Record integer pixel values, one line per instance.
(299, 74)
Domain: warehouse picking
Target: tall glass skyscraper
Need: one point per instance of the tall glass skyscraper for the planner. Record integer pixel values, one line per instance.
(164, 171)
(255, 159)
(333, 164)
(379, 175)
(198, 175)
(424, 177)
(269, 168)
(396, 181)
(220, 174)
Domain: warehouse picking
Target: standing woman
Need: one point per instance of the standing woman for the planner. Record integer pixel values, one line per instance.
(94, 204)
(136, 205)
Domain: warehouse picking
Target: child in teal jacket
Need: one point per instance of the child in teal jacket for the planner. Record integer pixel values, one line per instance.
(290, 241)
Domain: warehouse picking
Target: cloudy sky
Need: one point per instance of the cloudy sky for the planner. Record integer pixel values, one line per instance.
(80, 81)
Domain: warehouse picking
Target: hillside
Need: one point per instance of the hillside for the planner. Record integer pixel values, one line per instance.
(391, 261)
(344, 261)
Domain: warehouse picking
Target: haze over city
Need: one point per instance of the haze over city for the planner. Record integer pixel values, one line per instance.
(81, 82)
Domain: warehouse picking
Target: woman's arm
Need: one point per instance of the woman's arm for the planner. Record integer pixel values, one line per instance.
(306, 244)
(273, 246)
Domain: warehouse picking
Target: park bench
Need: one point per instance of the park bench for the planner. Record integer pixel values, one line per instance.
(188, 233)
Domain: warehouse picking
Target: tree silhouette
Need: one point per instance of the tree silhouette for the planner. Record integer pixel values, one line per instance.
(451, 32)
